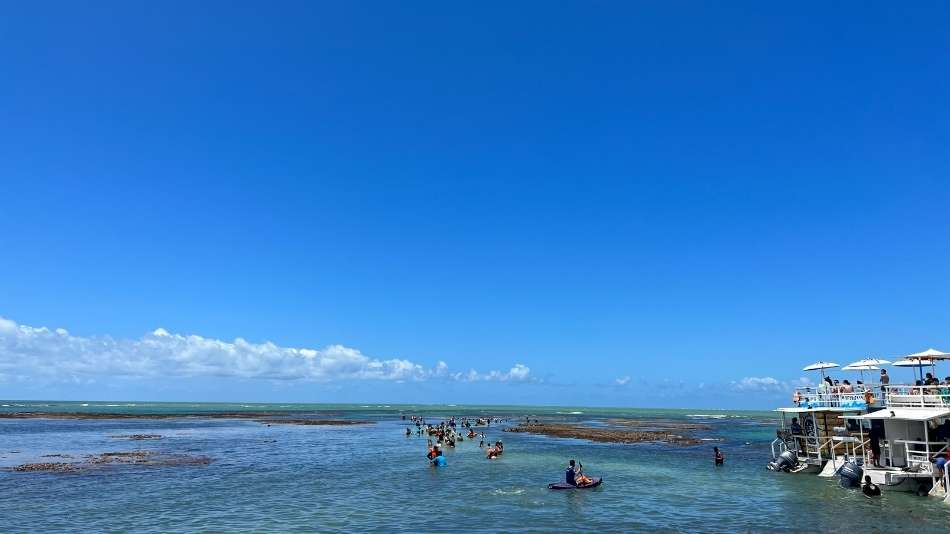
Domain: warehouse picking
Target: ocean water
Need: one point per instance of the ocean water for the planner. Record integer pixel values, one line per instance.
(288, 478)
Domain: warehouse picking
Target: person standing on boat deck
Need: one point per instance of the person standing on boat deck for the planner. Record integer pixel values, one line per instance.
(847, 387)
(875, 437)
(797, 433)
(825, 389)
(885, 380)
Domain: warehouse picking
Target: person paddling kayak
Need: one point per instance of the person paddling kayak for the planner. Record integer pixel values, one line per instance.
(575, 475)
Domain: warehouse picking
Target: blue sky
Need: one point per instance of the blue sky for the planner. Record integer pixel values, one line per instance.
(679, 193)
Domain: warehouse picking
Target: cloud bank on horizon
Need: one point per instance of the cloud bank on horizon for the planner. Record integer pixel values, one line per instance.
(28, 352)
(768, 384)
(47, 356)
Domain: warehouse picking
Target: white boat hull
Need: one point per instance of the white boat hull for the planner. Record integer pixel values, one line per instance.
(889, 480)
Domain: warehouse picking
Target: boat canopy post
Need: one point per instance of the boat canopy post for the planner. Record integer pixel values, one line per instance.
(864, 450)
(933, 480)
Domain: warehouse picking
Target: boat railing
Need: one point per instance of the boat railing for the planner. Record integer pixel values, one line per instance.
(852, 445)
(811, 397)
(826, 443)
(917, 396)
(778, 447)
(802, 445)
(917, 454)
(786, 441)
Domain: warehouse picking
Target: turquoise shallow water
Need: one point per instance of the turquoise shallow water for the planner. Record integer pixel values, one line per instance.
(287, 478)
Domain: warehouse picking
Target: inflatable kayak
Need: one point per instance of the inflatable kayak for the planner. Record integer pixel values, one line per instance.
(565, 486)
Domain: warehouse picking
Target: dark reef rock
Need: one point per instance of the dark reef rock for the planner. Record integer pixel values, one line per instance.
(107, 459)
(606, 434)
(45, 466)
(314, 422)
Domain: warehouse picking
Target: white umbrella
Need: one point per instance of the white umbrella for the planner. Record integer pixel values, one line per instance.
(820, 366)
(868, 362)
(908, 362)
(855, 367)
(930, 355)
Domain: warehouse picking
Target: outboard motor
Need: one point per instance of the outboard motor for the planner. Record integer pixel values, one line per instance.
(783, 462)
(850, 475)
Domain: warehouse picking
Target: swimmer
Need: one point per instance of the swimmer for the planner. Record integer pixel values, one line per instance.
(869, 489)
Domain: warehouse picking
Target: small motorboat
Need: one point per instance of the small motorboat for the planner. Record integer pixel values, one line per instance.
(595, 481)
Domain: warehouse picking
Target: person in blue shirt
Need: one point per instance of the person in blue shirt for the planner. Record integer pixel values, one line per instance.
(439, 460)
(575, 475)
(570, 474)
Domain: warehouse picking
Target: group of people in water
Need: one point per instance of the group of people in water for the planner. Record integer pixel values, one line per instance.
(450, 432)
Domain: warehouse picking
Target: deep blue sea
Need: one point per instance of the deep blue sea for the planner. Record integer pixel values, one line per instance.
(289, 478)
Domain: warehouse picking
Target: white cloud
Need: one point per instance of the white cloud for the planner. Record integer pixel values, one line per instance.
(755, 383)
(768, 384)
(622, 381)
(39, 352)
(800, 382)
(519, 373)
